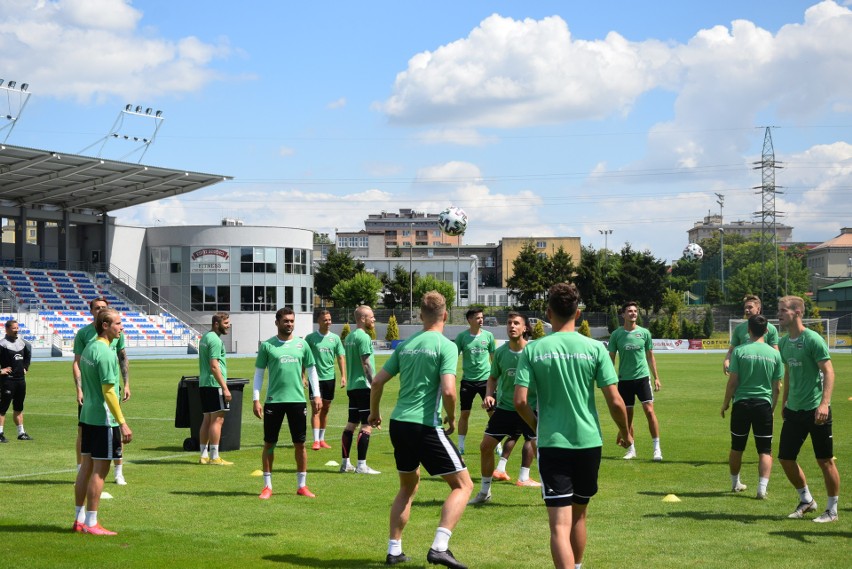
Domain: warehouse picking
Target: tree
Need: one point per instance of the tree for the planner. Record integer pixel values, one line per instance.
(336, 268)
(560, 267)
(707, 325)
(322, 239)
(397, 288)
(363, 288)
(528, 282)
(345, 331)
(642, 278)
(538, 330)
(584, 329)
(393, 329)
(590, 281)
(713, 294)
(429, 283)
(612, 319)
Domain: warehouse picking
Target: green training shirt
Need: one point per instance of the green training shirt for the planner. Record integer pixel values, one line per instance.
(358, 344)
(632, 348)
(564, 368)
(285, 362)
(476, 354)
(757, 366)
(88, 333)
(98, 367)
(326, 349)
(211, 348)
(420, 362)
(741, 335)
(503, 369)
(801, 356)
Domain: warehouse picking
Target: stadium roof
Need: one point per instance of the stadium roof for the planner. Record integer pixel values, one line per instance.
(42, 179)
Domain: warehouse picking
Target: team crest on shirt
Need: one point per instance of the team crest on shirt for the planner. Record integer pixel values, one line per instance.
(300, 345)
(483, 342)
(637, 335)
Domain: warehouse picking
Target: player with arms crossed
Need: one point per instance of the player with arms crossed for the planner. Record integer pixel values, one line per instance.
(326, 347)
(360, 370)
(808, 385)
(426, 364)
(505, 421)
(740, 335)
(477, 347)
(287, 357)
(635, 349)
(563, 369)
(213, 387)
(103, 424)
(15, 357)
(755, 371)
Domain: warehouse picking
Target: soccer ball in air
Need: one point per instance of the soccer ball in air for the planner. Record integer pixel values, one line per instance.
(693, 252)
(453, 221)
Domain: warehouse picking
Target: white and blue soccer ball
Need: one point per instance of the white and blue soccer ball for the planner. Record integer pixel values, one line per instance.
(693, 252)
(453, 221)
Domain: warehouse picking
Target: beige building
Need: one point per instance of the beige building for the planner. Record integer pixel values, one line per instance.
(510, 248)
(712, 223)
(831, 262)
(9, 231)
(409, 228)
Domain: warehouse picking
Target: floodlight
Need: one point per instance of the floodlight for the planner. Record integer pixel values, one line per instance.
(1, 81)
(158, 114)
(138, 109)
(128, 107)
(12, 84)
(25, 86)
(148, 111)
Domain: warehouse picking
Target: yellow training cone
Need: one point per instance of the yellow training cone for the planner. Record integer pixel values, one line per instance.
(671, 498)
(257, 473)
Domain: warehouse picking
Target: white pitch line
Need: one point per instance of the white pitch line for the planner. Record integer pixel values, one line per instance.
(47, 472)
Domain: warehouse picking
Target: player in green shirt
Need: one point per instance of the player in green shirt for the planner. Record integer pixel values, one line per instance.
(326, 347)
(477, 349)
(563, 369)
(286, 356)
(426, 365)
(82, 339)
(505, 421)
(360, 370)
(755, 373)
(635, 349)
(103, 424)
(808, 385)
(740, 335)
(213, 388)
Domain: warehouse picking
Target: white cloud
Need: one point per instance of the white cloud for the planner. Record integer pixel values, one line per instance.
(94, 49)
(458, 136)
(338, 104)
(286, 151)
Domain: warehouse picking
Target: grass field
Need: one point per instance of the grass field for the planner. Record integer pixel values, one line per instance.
(175, 513)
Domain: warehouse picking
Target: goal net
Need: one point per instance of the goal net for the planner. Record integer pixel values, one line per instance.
(826, 327)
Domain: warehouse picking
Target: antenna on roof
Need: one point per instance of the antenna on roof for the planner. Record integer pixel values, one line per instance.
(135, 117)
(16, 99)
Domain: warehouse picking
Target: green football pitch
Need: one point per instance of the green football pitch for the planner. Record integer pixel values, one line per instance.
(176, 513)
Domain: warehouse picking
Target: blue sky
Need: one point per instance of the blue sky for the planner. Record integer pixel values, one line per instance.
(537, 118)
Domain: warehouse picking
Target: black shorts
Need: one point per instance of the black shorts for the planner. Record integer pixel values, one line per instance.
(273, 417)
(326, 389)
(796, 428)
(359, 406)
(12, 391)
(505, 423)
(754, 415)
(415, 444)
(212, 400)
(103, 443)
(636, 388)
(568, 476)
(468, 392)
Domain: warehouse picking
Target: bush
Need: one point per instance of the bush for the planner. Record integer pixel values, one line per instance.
(393, 329)
(612, 319)
(371, 333)
(584, 329)
(538, 330)
(345, 331)
(707, 325)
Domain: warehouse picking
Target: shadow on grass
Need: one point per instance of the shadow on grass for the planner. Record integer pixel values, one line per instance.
(261, 534)
(712, 516)
(302, 561)
(37, 528)
(168, 448)
(211, 493)
(38, 482)
(695, 463)
(719, 494)
(803, 536)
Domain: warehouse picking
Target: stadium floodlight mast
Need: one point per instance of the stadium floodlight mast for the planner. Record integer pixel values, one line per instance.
(16, 100)
(410, 274)
(606, 233)
(721, 202)
(145, 114)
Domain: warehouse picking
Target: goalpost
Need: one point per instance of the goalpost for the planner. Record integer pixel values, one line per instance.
(826, 327)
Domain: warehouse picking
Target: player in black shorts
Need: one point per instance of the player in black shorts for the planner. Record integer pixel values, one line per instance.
(15, 356)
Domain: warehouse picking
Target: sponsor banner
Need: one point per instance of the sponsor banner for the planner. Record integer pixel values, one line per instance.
(210, 260)
(668, 345)
(695, 344)
(715, 344)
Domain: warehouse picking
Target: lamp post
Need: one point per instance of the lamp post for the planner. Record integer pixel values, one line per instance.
(721, 202)
(410, 274)
(606, 233)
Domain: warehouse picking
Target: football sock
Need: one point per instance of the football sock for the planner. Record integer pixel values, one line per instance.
(267, 480)
(80, 513)
(322, 434)
(805, 494)
(832, 504)
(486, 484)
(119, 470)
(656, 443)
(214, 452)
(316, 434)
(204, 452)
(524, 474)
(21, 430)
(394, 547)
(442, 539)
(363, 445)
(735, 479)
(762, 483)
(501, 464)
(461, 442)
(300, 478)
(91, 518)
(347, 443)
